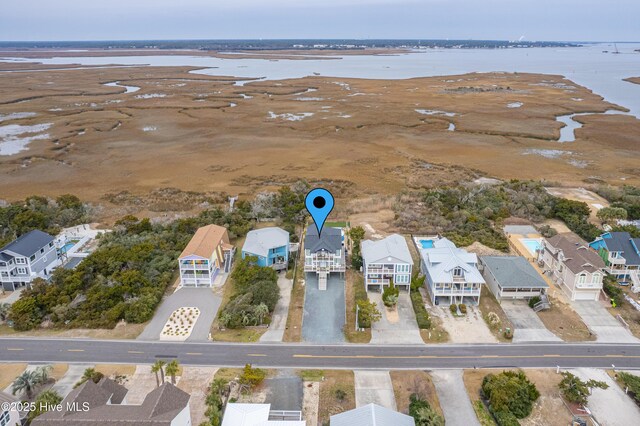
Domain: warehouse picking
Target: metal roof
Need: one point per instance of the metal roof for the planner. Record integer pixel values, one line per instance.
(390, 249)
(260, 241)
(29, 243)
(371, 415)
(513, 272)
(444, 257)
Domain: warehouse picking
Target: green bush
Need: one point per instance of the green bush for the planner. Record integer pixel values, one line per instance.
(533, 301)
(368, 313)
(463, 308)
(390, 296)
(612, 289)
(633, 383)
(252, 376)
(508, 333)
(453, 308)
(422, 316)
(422, 412)
(510, 391)
(573, 389)
(505, 418)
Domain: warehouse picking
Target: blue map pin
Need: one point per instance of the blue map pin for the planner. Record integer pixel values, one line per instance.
(319, 203)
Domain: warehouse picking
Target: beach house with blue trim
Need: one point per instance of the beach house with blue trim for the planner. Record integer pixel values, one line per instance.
(620, 252)
(269, 245)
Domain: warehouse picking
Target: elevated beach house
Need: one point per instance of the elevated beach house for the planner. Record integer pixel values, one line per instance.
(385, 261)
(238, 414)
(620, 253)
(269, 245)
(33, 255)
(512, 277)
(324, 254)
(452, 273)
(572, 264)
(208, 254)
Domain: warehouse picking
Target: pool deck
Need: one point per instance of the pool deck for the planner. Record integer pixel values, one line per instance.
(517, 245)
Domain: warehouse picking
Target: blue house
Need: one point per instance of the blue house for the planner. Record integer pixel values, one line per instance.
(269, 245)
(620, 252)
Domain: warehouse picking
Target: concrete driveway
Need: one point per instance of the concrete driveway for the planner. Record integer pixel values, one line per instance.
(284, 391)
(324, 311)
(527, 326)
(453, 397)
(275, 333)
(72, 376)
(609, 406)
(374, 387)
(396, 326)
(201, 298)
(602, 323)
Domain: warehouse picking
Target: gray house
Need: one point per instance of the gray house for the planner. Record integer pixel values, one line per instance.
(512, 277)
(33, 255)
(324, 254)
(371, 415)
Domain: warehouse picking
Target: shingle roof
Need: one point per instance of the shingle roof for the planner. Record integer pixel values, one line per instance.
(159, 407)
(29, 243)
(330, 241)
(578, 255)
(393, 247)
(260, 241)
(622, 242)
(371, 415)
(205, 240)
(513, 272)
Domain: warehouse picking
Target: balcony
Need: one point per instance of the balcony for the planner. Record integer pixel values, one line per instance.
(381, 271)
(617, 261)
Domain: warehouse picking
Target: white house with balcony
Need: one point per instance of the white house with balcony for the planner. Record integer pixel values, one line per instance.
(452, 273)
(572, 264)
(208, 255)
(33, 255)
(324, 254)
(386, 261)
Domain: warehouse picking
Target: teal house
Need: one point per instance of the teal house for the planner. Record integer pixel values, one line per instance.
(269, 245)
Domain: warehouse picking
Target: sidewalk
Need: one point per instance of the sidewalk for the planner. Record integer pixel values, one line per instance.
(275, 333)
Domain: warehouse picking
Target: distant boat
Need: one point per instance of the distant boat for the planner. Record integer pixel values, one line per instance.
(616, 47)
(316, 73)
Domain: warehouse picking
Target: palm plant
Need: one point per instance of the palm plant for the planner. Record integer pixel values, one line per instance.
(25, 382)
(42, 373)
(156, 368)
(260, 312)
(172, 370)
(4, 311)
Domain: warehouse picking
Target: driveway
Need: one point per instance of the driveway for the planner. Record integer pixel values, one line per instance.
(284, 391)
(324, 311)
(397, 326)
(374, 387)
(201, 298)
(469, 328)
(609, 406)
(278, 324)
(606, 328)
(527, 326)
(72, 376)
(453, 398)
(195, 381)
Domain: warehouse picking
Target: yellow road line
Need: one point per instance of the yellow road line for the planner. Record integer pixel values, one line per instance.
(256, 354)
(15, 349)
(135, 352)
(460, 356)
(194, 353)
(75, 350)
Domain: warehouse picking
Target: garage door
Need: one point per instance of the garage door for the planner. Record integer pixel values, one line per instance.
(586, 295)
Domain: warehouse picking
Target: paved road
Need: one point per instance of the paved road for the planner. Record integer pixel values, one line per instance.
(566, 355)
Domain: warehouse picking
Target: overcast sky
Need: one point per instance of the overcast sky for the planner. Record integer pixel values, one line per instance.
(574, 20)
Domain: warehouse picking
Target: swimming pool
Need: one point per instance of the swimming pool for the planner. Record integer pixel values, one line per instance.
(533, 245)
(65, 248)
(426, 244)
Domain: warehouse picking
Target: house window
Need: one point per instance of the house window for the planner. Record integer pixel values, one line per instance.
(457, 272)
(51, 244)
(596, 278)
(5, 418)
(21, 260)
(42, 250)
(22, 271)
(582, 278)
(32, 258)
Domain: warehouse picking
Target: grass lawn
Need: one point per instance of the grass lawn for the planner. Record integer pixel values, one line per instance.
(8, 372)
(121, 331)
(337, 224)
(112, 370)
(488, 304)
(628, 313)
(228, 374)
(354, 290)
(436, 334)
(311, 375)
(58, 370)
(243, 335)
(565, 323)
(407, 382)
(337, 394)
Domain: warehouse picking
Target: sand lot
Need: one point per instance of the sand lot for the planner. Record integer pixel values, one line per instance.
(202, 133)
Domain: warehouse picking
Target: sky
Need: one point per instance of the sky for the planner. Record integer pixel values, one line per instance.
(533, 20)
